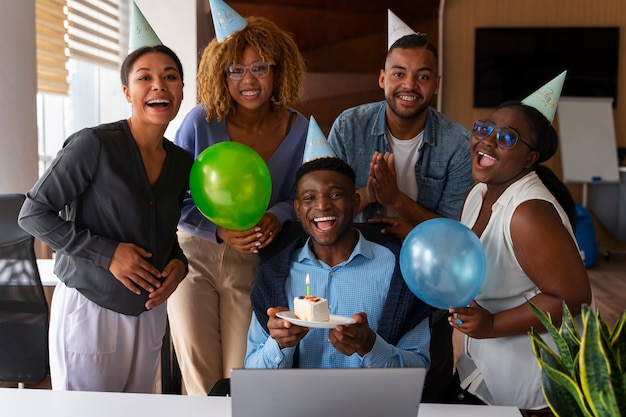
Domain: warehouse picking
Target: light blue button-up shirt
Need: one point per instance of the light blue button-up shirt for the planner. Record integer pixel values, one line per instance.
(443, 170)
(358, 284)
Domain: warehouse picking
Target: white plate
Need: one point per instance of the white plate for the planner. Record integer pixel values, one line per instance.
(334, 320)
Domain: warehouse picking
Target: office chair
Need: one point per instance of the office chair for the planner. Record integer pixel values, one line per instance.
(23, 305)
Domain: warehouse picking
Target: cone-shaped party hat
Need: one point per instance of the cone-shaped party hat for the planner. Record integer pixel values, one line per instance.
(546, 99)
(316, 145)
(225, 19)
(141, 33)
(396, 29)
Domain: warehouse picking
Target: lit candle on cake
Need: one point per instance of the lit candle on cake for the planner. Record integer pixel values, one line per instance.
(308, 286)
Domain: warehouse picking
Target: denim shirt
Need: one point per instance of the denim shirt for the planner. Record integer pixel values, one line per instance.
(443, 171)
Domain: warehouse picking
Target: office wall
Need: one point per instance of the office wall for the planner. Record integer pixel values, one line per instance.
(18, 89)
(174, 22)
(18, 112)
(355, 66)
(322, 96)
(461, 17)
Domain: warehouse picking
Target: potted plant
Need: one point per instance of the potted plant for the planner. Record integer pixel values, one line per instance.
(586, 376)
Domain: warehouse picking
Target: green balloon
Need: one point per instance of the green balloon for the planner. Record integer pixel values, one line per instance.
(231, 185)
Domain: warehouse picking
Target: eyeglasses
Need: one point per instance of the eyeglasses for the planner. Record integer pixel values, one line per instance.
(258, 69)
(506, 137)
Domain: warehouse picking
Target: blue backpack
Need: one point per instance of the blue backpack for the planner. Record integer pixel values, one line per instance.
(586, 236)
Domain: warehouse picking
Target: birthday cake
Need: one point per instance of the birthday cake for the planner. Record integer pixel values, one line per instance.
(311, 308)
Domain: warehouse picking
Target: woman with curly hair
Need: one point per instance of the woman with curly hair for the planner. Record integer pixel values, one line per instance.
(246, 85)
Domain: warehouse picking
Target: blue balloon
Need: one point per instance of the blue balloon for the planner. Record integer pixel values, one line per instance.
(443, 263)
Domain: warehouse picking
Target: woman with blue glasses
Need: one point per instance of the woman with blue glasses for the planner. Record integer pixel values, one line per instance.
(524, 217)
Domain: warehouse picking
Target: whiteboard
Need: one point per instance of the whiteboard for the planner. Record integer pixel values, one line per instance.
(588, 146)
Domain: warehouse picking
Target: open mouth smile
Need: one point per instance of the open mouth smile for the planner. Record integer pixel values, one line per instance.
(324, 223)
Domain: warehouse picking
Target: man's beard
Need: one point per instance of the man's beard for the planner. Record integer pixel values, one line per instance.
(406, 114)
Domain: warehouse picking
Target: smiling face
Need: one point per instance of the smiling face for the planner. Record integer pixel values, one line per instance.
(494, 165)
(325, 203)
(251, 92)
(155, 89)
(410, 81)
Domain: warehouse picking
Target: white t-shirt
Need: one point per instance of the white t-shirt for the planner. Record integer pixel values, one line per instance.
(406, 153)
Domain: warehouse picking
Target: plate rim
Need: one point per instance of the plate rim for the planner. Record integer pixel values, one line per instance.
(290, 317)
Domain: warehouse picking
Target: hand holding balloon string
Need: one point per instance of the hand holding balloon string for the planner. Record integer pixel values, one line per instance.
(476, 322)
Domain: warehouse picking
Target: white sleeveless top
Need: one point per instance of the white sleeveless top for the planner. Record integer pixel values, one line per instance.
(506, 365)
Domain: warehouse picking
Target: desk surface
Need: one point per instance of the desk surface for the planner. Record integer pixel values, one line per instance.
(45, 267)
(39, 402)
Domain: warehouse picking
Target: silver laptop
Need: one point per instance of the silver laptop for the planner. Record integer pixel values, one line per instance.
(353, 392)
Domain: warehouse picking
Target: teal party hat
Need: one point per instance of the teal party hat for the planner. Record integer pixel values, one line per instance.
(316, 145)
(225, 19)
(141, 33)
(546, 99)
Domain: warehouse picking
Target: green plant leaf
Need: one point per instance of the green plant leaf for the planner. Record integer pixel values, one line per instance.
(563, 394)
(618, 341)
(617, 359)
(594, 385)
(617, 382)
(544, 354)
(560, 390)
(620, 394)
(559, 341)
(569, 331)
(603, 328)
(594, 367)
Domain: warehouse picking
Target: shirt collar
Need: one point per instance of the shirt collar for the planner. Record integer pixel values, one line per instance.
(512, 190)
(363, 247)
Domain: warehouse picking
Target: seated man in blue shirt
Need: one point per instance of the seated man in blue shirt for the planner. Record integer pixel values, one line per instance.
(359, 278)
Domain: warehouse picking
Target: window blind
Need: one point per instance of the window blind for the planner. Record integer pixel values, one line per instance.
(94, 31)
(51, 46)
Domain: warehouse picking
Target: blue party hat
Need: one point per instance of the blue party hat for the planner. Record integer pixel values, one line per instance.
(141, 33)
(546, 99)
(226, 20)
(316, 145)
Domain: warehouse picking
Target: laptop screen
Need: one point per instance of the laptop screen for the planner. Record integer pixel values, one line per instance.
(362, 392)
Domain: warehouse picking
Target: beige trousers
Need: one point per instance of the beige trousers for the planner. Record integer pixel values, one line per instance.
(210, 312)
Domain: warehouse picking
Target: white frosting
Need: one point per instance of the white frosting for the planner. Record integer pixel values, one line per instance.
(311, 309)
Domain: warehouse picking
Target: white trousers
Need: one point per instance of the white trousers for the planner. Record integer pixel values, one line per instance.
(96, 349)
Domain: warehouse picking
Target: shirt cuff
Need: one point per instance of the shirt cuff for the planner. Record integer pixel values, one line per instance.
(275, 355)
(379, 355)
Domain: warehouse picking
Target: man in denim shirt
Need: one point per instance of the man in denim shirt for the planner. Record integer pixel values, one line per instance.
(412, 164)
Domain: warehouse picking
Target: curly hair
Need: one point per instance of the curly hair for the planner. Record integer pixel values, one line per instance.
(272, 44)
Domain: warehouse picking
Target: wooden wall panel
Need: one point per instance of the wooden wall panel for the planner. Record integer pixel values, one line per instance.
(461, 17)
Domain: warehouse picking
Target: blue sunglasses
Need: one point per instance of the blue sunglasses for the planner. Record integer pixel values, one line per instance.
(506, 137)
